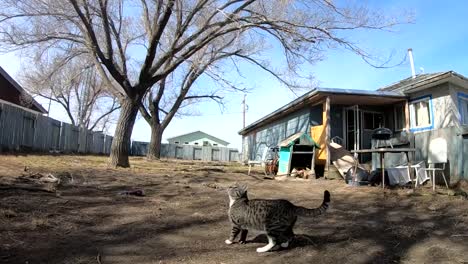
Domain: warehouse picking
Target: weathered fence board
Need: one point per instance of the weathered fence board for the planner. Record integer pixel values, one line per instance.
(70, 138)
(47, 134)
(107, 144)
(98, 143)
(139, 148)
(17, 127)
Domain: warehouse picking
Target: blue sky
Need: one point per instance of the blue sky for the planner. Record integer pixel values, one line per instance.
(438, 37)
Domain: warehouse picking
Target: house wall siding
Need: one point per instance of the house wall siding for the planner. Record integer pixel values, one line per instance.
(271, 135)
(455, 92)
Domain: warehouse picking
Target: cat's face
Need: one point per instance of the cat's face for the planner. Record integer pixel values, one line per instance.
(237, 191)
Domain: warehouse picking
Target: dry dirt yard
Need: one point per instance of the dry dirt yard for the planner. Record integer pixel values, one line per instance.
(183, 217)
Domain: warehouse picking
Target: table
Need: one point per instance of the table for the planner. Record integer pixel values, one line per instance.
(382, 152)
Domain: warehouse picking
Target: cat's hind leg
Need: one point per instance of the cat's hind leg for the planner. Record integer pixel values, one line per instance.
(243, 236)
(271, 244)
(287, 237)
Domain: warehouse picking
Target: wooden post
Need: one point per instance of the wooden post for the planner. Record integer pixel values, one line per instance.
(407, 127)
(407, 116)
(327, 131)
(312, 164)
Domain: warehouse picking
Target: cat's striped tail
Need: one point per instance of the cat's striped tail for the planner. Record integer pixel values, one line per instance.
(302, 211)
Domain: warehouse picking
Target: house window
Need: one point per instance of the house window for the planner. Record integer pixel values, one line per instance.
(205, 143)
(372, 120)
(463, 108)
(399, 112)
(176, 142)
(421, 113)
(186, 143)
(465, 113)
(215, 144)
(196, 143)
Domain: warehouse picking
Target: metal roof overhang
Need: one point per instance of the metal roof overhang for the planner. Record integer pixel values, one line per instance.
(337, 97)
(450, 76)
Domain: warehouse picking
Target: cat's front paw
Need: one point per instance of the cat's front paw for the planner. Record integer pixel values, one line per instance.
(227, 241)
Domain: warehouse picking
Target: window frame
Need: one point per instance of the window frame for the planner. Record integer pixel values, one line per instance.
(395, 121)
(463, 99)
(411, 106)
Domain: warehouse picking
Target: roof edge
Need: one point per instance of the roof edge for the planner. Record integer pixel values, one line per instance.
(21, 90)
(224, 141)
(437, 75)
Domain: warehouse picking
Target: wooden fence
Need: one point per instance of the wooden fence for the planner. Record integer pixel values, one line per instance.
(27, 131)
(24, 130)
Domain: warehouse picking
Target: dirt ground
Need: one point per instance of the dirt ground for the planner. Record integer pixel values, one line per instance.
(183, 217)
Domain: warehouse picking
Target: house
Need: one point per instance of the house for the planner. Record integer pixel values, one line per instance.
(198, 138)
(416, 109)
(12, 93)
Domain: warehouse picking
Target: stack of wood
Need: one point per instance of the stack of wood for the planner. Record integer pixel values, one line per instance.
(304, 173)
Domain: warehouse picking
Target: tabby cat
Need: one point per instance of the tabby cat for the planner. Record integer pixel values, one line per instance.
(275, 217)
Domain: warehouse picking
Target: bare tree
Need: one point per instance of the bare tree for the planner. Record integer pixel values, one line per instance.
(74, 85)
(173, 94)
(172, 32)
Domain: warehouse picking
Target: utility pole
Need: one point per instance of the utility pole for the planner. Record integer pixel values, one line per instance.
(244, 109)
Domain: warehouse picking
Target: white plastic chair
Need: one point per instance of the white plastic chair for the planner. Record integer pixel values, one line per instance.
(437, 155)
(421, 174)
(261, 162)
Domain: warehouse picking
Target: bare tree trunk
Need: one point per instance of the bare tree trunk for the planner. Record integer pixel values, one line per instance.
(120, 148)
(154, 148)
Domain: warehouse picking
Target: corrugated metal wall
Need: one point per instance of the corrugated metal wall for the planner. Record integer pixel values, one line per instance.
(24, 130)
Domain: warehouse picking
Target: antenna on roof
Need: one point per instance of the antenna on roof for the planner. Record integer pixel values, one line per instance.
(410, 54)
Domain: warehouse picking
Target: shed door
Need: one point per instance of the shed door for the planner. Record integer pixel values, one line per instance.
(233, 155)
(215, 154)
(197, 153)
(179, 152)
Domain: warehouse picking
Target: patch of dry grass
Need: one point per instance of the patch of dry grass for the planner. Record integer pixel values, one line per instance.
(39, 222)
(7, 213)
